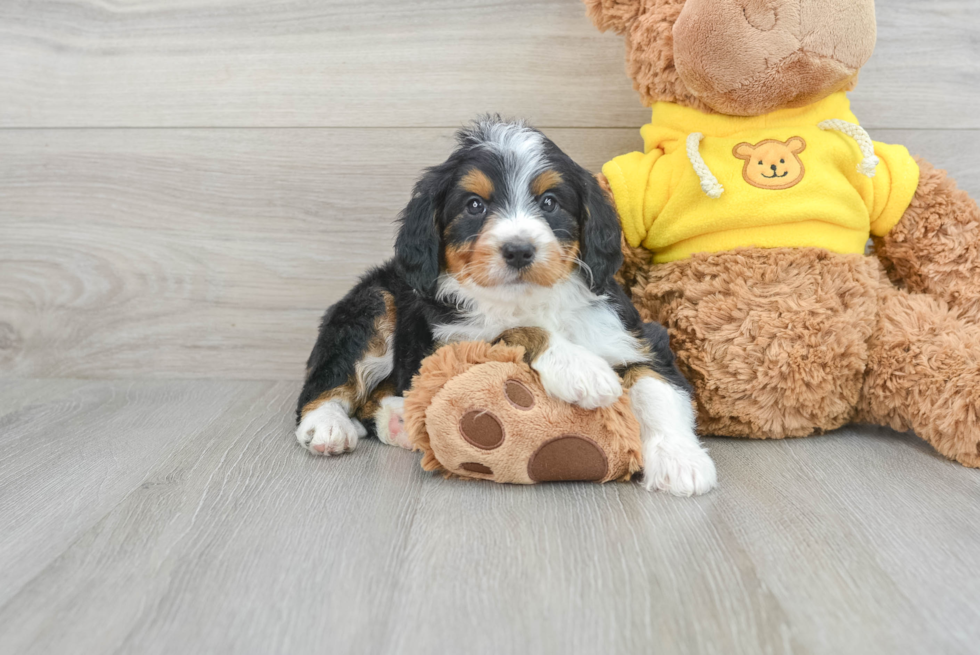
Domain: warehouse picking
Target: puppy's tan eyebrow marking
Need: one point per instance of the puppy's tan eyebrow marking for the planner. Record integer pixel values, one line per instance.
(476, 181)
(545, 181)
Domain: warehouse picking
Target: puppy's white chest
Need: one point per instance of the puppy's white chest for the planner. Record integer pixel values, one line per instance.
(568, 309)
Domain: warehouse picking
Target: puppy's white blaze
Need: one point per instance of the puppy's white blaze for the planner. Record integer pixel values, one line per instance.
(522, 152)
(568, 309)
(517, 228)
(373, 369)
(673, 459)
(521, 227)
(515, 140)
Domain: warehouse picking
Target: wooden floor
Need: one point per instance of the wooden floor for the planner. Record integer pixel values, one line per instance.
(178, 517)
(184, 187)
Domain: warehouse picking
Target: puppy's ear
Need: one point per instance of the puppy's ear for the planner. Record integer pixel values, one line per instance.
(601, 235)
(417, 245)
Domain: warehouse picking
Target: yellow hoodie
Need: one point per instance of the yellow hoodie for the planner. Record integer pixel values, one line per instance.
(807, 177)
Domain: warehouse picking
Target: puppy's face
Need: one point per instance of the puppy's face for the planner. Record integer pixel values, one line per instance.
(508, 208)
(511, 224)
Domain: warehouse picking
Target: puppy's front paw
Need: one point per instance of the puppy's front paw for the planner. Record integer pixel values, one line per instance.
(682, 470)
(327, 430)
(579, 377)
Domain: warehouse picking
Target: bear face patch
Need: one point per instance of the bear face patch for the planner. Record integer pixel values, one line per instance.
(772, 164)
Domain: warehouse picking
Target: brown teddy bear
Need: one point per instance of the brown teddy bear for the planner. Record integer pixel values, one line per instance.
(477, 410)
(746, 221)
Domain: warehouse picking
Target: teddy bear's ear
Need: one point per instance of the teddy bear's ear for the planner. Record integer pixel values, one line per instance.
(796, 145)
(743, 151)
(613, 14)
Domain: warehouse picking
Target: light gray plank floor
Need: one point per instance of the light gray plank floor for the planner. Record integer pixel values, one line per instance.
(179, 517)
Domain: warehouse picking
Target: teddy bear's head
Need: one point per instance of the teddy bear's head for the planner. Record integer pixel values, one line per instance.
(740, 57)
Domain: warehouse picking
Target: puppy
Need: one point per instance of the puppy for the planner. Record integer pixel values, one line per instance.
(508, 240)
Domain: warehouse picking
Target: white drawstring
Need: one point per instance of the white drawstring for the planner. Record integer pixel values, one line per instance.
(709, 183)
(856, 132)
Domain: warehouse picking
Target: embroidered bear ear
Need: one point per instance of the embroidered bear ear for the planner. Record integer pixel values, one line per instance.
(743, 151)
(772, 164)
(796, 145)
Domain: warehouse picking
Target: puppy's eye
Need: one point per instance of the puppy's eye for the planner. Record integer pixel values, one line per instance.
(475, 207)
(549, 204)
(782, 161)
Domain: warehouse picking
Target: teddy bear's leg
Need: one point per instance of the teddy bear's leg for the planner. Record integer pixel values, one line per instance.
(935, 248)
(773, 341)
(923, 374)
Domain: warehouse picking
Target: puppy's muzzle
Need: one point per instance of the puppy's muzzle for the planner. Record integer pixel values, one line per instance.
(518, 254)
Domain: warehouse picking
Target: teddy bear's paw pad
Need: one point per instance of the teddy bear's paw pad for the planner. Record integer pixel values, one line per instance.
(568, 459)
(476, 467)
(482, 429)
(518, 395)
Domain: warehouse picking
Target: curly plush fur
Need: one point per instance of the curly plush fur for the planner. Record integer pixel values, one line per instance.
(935, 249)
(923, 373)
(774, 341)
(792, 342)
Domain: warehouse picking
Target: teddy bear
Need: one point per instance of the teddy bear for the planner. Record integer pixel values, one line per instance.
(477, 410)
(747, 220)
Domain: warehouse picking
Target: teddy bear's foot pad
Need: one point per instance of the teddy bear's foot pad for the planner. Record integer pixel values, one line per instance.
(568, 459)
(562, 459)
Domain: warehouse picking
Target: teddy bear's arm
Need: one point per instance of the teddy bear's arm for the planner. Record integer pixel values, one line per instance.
(935, 247)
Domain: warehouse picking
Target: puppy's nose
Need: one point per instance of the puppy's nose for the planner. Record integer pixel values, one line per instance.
(773, 167)
(518, 254)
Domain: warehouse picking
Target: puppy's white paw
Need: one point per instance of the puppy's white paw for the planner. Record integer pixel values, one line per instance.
(327, 430)
(389, 421)
(679, 469)
(361, 430)
(577, 376)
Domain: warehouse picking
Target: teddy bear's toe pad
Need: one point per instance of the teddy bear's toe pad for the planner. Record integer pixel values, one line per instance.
(482, 429)
(567, 459)
(518, 394)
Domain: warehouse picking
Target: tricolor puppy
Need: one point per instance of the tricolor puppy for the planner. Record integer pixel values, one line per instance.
(508, 239)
